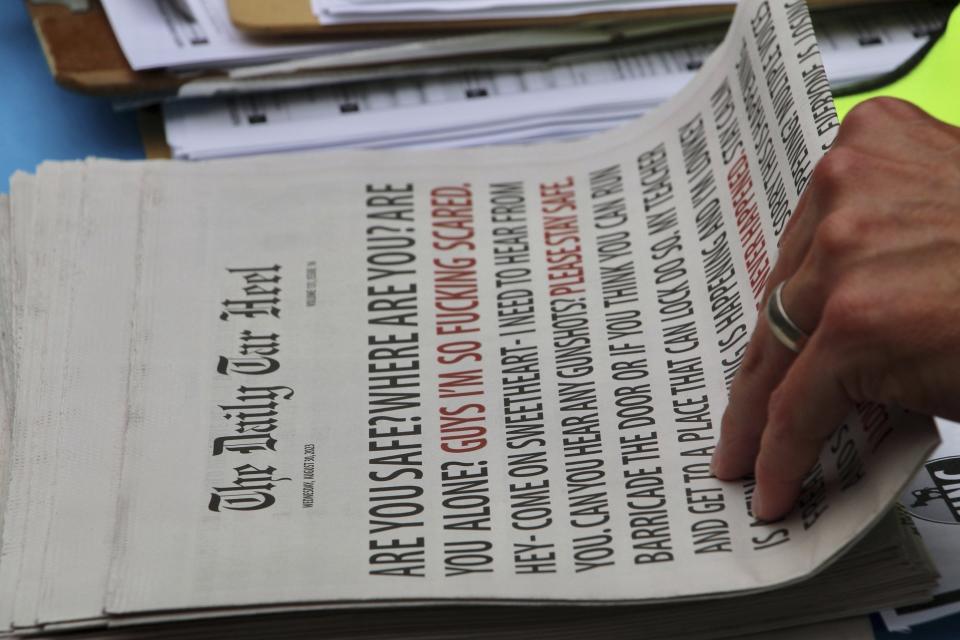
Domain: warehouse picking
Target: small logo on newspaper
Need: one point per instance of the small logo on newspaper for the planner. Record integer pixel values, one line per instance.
(934, 494)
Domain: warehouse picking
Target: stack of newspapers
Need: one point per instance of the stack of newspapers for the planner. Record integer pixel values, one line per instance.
(432, 394)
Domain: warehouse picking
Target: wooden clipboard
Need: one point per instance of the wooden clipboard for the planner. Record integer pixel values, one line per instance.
(278, 18)
(84, 55)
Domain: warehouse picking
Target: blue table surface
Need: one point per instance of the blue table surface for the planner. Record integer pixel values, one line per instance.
(40, 121)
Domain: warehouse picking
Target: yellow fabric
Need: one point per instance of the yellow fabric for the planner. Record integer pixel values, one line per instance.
(934, 85)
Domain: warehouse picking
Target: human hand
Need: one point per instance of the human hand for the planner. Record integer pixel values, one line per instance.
(871, 261)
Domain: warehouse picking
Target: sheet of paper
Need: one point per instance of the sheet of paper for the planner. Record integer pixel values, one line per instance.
(348, 12)
(473, 44)
(378, 113)
(155, 33)
(211, 87)
(480, 43)
(461, 5)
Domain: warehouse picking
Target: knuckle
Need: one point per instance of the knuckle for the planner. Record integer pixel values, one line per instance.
(860, 120)
(894, 106)
(838, 236)
(870, 113)
(834, 170)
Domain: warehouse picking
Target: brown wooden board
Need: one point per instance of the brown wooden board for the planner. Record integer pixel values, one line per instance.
(84, 55)
(152, 134)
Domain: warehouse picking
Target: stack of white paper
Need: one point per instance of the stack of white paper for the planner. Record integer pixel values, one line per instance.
(188, 37)
(381, 11)
(513, 102)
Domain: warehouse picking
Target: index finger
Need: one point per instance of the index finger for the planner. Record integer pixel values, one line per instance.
(764, 365)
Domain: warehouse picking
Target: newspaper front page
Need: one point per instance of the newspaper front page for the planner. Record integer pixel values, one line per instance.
(481, 375)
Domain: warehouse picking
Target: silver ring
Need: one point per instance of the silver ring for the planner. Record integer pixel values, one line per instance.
(783, 328)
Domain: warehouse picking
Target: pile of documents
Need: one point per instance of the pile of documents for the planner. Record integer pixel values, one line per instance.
(509, 79)
(564, 96)
(463, 393)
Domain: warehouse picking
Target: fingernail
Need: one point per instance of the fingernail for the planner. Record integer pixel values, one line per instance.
(716, 456)
(755, 503)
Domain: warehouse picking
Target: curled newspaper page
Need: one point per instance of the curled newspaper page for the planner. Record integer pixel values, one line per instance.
(486, 374)
(402, 377)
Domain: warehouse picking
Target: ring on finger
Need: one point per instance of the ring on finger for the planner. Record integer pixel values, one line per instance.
(783, 328)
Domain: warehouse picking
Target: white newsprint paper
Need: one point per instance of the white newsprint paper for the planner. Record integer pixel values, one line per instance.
(393, 378)
(482, 375)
